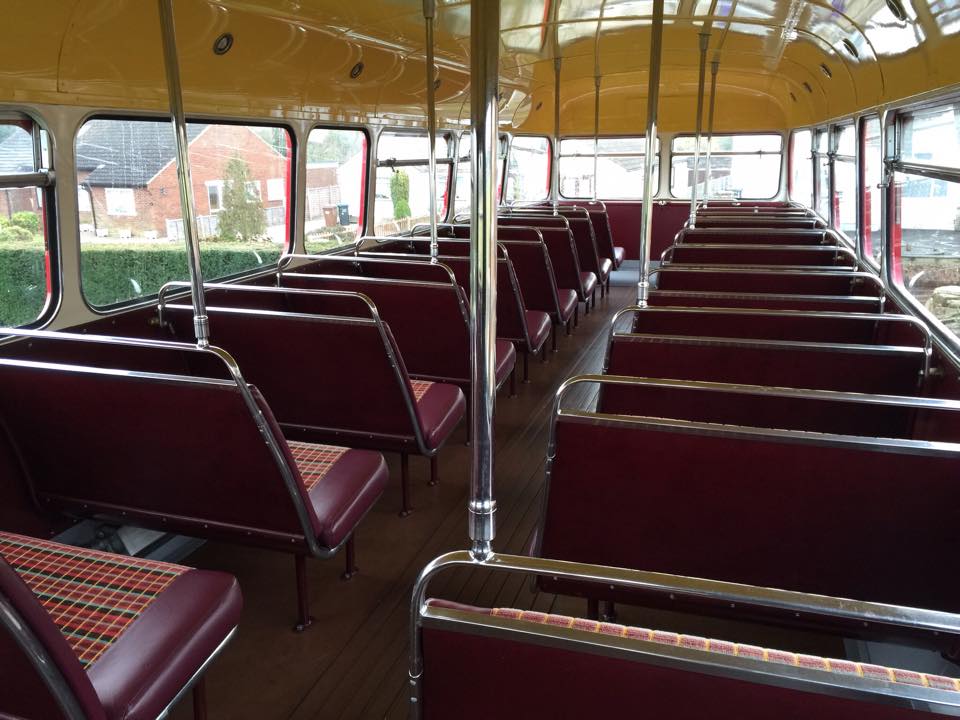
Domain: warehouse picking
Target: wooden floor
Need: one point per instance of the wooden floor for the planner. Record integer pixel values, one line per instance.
(353, 662)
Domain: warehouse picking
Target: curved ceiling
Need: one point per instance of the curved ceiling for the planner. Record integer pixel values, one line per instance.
(782, 63)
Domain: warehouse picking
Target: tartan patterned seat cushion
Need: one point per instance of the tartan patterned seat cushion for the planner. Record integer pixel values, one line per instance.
(91, 596)
(420, 388)
(314, 461)
(811, 662)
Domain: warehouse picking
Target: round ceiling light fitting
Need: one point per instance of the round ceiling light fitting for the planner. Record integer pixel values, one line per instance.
(826, 71)
(896, 7)
(356, 71)
(806, 86)
(223, 43)
(851, 48)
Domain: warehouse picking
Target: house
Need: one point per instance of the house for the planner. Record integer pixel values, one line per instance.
(16, 156)
(127, 176)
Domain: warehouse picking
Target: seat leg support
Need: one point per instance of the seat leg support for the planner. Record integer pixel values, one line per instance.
(434, 472)
(405, 484)
(350, 557)
(513, 382)
(553, 338)
(593, 609)
(569, 327)
(543, 353)
(526, 366)
(576, 316)
(200, 699)
(303, 594)
(608, 611)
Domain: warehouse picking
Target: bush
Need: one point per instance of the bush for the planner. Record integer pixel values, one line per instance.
(400, 194)
(27, 220)
(15, 233)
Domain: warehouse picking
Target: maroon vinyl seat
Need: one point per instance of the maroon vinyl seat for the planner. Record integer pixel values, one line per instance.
(251, 489)
(792, 282)
(120, 637)
(756, 236)
(772, 301)
(729, 255)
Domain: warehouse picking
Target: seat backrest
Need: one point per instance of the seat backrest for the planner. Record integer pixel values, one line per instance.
(851, 328)
(833, 515)
(792, 255)
(560, 246)
(757, 221)
(877, 369)
(137, 445)
(41, 674)
(768, 281)
(814, 303)
(327, 378)
(754, 236)
(428, 320)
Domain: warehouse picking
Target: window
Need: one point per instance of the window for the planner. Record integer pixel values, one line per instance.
(926, 234)
(214, 195)
(845, 181)
(276, 190)
(403, 181)
(621, 168)
(821, 154)
(336, 174)
(801, 167)
(463, 198)
(528, 170)
(26, 283)
(871, 227)
(131, 237)
(741, 167)
(121, 201)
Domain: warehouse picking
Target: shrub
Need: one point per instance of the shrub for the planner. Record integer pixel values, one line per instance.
(26, 220)
(15, 233)
(400, 194)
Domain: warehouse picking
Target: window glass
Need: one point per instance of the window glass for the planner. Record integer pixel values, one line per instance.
(464, 186)
(621, 168)
(845, 181)
(131, 223)
(528, 170)
(741, 167)
(403, 181)
(336, 172)
(932, 137)
(801, 167)
(823, 174)
(927, 260)
(25, 279)
(872, 176)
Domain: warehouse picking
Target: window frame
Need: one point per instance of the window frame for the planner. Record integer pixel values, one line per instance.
(289, 246)
(506, 169)
(791, 164)
(863, 221)
(448, 160)
(43, 180)
(834, 157)
(218, 184)
(783, 152)
(620, 136)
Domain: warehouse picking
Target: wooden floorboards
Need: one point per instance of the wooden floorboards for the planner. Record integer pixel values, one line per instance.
(353, 662)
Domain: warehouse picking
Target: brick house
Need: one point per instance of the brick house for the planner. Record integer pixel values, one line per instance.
(128, 185)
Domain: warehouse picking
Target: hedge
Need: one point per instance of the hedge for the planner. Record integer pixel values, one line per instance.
(113, 272)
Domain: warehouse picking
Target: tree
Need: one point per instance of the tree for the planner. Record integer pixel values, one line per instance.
(400, 194)
(242, 215)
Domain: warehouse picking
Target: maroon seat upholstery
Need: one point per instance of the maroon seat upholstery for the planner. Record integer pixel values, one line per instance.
(755, 254)
(122, 636)
(879, 369)
(769, 281)
(815, 303)
(560, 243)
(274, 502)
(754, 236)
(776, 508)
(757, 221)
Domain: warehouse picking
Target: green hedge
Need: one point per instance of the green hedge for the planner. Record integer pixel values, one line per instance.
(113, 273)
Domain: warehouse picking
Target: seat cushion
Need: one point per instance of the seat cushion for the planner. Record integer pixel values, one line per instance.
(141, 629)
(505, 362)
(441, 407)
(342, 484)
(619, 254)
(606, 265)
(588, 281)
(538, 328)
(568, 303)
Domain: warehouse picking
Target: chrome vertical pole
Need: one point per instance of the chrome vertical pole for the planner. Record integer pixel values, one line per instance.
(704, 44)
(653, 103)
(714, 69)
(484, 74)
(889, 148)
(555, 175)
(429, 11)
(201, 324)
(596, 127)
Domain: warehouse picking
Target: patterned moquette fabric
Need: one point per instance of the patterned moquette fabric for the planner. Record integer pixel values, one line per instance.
(314, 461)
(420, 388)
(692, 642)
(91, 596)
